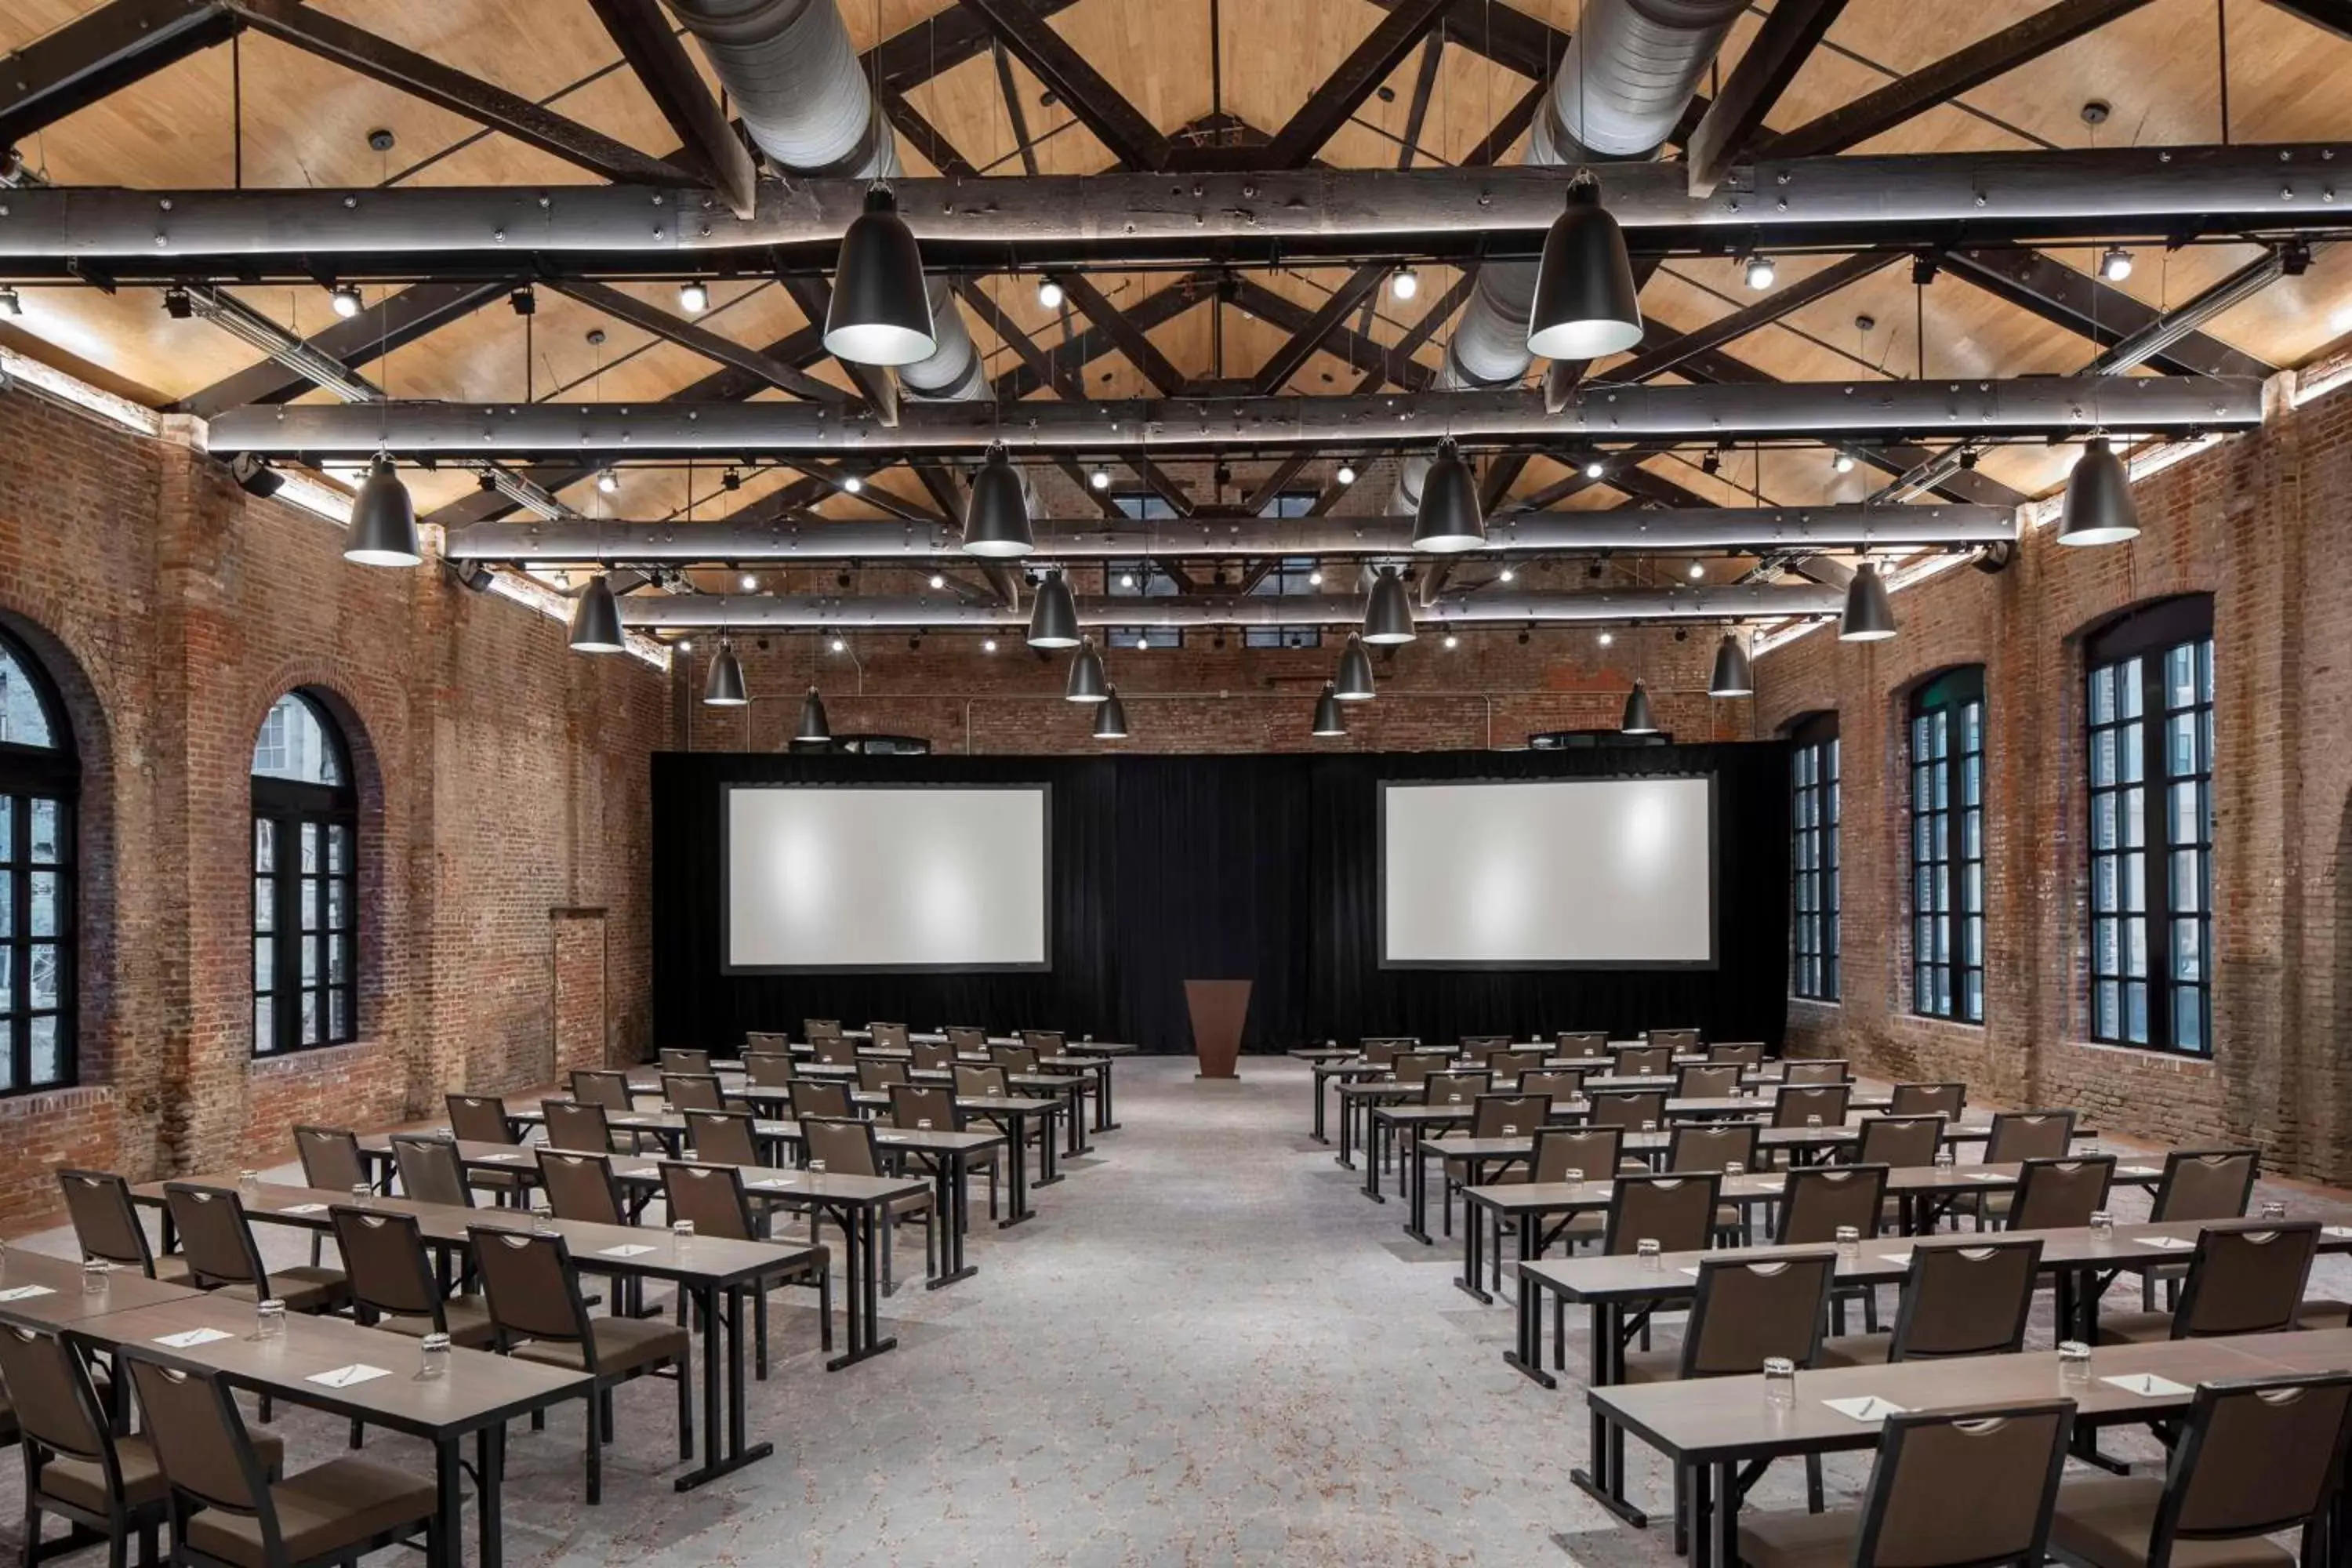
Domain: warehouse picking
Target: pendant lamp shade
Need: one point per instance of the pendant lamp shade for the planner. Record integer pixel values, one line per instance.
(383, 521)
(2098, 506)
(1388, 614)
(1054, 615)
(1732, 676)
(812, 725)
(1355, 680)
(1585, 302)
(880, 313)
(596, 620)
(1111, 719)
(996, 523)
(1329, 720)
(1869, 616)
(1638, 719)
(1087, 683)
(1448, 519)
(724, 687)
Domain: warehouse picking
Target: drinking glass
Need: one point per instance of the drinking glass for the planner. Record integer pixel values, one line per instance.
(1944, 1156)
(2073, 1361)
(1649, 1127)
(1812, 1121)
(2273, 1209)
(1733, 1169)
(2103, 1224)
(1780, 1383)
(361, 1193)
(1647, 1249)
(542, 1222)
(816, 1167)
(250, 1181)
(923, 1124)
(682, 1229)
(432, 1357)
(1849, 1241)
(269, 1320)
(1571, 1175)
(94, 1271)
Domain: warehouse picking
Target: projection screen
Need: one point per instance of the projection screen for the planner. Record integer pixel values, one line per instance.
(915, 878)
(1598, 873)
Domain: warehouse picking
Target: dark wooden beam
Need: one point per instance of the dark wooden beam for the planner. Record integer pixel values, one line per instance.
(1342, 93)
(1771, 61)
(1118, 125)
(1671, 349)
(1010, 90)
(1416, 112)
(642, 29)
(394, 322)
(1083, 348)
(2076, 301)
(1509, 128)
(932, 45)
(1638, 483)
(1330, 318)
(99, 53)
(693, 335)
(1348, 343)
(922, 135)
(1503, 34)
(1123, 333)
(1876, 112)
(814, 295)
(1502, 473)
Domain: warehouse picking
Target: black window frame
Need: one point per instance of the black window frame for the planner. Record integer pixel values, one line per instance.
(1147, 579)
(2148, 868)
(30, 776)
(1816, 889)
(286, 811)
(1944, 848)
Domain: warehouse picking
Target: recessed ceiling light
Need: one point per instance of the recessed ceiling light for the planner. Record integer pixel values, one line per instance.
(693, 299)
(1049, 293)
(1404, 283)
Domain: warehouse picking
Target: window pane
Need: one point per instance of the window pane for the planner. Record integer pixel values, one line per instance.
(265, 844)
(310, 912)
(310, 961)
(339, 904)
(310, 1017)
(44, 833)
(7, 827)
(2135, 1012)
(264, 1025)
(45, 976)
(338, 848)
(2188, 1018)
(340, 1003)
(2102, 694)
(45, 903)
(265, 903)
(295, 744)
(338, 955)
(2103, 758)
(48, 1062)
(265, 963)
(310, 841)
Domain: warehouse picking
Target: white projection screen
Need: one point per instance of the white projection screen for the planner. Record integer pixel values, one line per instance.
(1615, 873)
(856, 878)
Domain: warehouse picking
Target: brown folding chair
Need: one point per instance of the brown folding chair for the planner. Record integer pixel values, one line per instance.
(876, 1077)
(330, 1162)
(816, 1029)
(1945, 1099)
(1959, 1299)
(430, 1170)
(582, 1187)
(932, 1055)
(1739, 1054)
(1816, 1201)
(887, 1037)
(222, 1256)
(1491, 1116)
(1817, 1070)
(1797, 1105)
(714, 1199)
(1716, 1146)
(1644, 1061)
(1676, 1042)
(1901, 1142)
(1707, 1080)
(1517, 1062)
(691, 1092)
(1580, 1043)
(602, 1086)
(480, 1119)
(724, 1137)
(1412, 1067)
(392, 1280)
(106, 1225)
(2198, 1184)
(2020, 1135)
(766, 1040)
(815, 1096)
(1014, 1058)
(1559, 1085)
(980, 1083)
(965, 1039)
(578, 1125)
(1044, 1042)
(848, 1148)
(767, 1069)
(2246, 1276)
(1635, 1110)
(912, 1104)
(834, 1050)
(1592, 1153)
(1455, 1086)
(692, 1063)
(1677, 1212)
(2054, 1195)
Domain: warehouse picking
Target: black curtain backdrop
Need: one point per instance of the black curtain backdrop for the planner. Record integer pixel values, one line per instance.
(1256, 867)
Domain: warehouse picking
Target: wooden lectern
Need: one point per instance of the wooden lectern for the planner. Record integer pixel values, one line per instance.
(1219, 1008)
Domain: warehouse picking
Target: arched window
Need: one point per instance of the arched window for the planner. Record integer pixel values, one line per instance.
(40, 779)
(1814, 857)
(1947, 893)
(305, 881)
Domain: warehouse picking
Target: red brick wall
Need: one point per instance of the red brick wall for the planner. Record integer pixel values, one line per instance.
(500, 776)
(2256, 521)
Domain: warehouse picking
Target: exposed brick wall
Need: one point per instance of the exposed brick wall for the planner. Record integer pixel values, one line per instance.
(2254, 521)
(500, 777)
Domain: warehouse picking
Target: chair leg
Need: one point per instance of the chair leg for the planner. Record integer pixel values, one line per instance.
(824, 1309)
(605, 1414)
(590, 1423)
(32, 1528)
(357, 1428)
(1813, 1483)
(889, 1229)
(760, 1331)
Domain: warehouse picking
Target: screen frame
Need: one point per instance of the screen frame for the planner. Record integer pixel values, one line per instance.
(727, 964)
(1714, 959)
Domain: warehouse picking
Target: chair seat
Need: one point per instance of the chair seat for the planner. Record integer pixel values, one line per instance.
(2324, 1314)
(324, 1510)
(1653, 1366)
(2106, 1521)
(2135, 1328)
(911, 1204)
(468, 1318)
(623, 1344)
(1799, 1540)
(1855, 1350)
(303, 1289)
(494, 1181)
(171, 1269)
(82, 1482)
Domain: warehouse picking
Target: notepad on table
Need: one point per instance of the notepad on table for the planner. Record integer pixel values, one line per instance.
(344, 1376)
(304, 1208)
(1869, 1407)
(188, 1338)
(2138, 1171)
(25, 1292)
(1900, 1259)
(1692, 1270)
(2169, 1243)
(2147, 1383)
(2336, 1230)
(625, 1249)
(501, 1159)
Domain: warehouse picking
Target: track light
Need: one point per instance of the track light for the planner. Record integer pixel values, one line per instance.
(693, 299)
(1869, 614)
(1111, 719)
(1586, 304)
(2098, 506)
(345, 300)
(724, 687)
(838, 646)
(1452, 641)
(1388, 614)
(608, 481)
(853, 483)
(1843, 462)
(996, 523)
(384, 522)
(1638, 719)
(1099, 479)
(749, 583)
(1607, 639)
(254, 475)
(1698, 570)
(1049, 294)
(2115, 264)
(1732, 676)
(1314, 576)
(1355, 679)
(813, 726)
(939, 580)
(1404, 283)
(596, 619)
(1595, 468)
(1761, 272)
(1088, 682)
(1054, 615)
(988, 645)
(880, 313)
(1345, 474)
(1328, 719)
(1447, 520)
(1508, 574)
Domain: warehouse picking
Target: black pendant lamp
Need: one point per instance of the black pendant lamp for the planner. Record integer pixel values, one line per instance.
(1054, 615)
(1732, 676)
(1869, 614)
(996, 523)
(1355, 680)
(596, 620)
(1087, 683)
(724, 688)
(1448, 519)
(1329, 720)
(1586, 305)
(880, 312)
(383, 521)
(1388, 614)
(1638, 719)
(1111, 717)
(812, 725)
(2098, 506)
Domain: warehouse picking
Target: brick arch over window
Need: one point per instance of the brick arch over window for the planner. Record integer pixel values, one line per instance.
(315, 849)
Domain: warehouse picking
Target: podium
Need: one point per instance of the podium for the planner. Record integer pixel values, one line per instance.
(1219, 1009)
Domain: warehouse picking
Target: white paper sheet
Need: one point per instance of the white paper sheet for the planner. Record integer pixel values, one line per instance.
(187, 1339)
(625, 1249)
(345, 1376)
(1869, 1407)
(25, 1292)
(2149, 1383)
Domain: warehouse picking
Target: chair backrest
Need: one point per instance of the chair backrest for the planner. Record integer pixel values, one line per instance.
(685, 1061)
(330, 1158)
(1014, 1058)
(1381, 1053)
(709, 1195)
(1557, 1084)
(1738, 1053)
(2019, 1135)
(876, 1076)
(691, 1092)
(767, 1069)
(531, 1287)
(1796, 1102)
(430, 1170)
(1580, 1043)
(1819, 1070)
(384, 1259)
(1954, 1488)
(729, 1137)
(1710, 1146)
(2052, 1194)
(1819, 1198)
(1481, 1052)
(56, 1404)
(1944, 1099)
(2258, 1456)
(1645, 1061)
(1484, 1042)
(888, 1037)
(816, 1029)
(2206, 1183)
(1903, 1143)
(1673, 1039)
(1044, 1042)
(836, 1049)
(980, 1083)
(1628, 1108)
(1508, 1115)
(932, 1055)
(480, 1119)
(202, 1444)
(846, 1144)
(1746, 1311)
(105, 1225)
(1707, 1080)
(1517, 1062)
(1967, 1300)
(575, 1124)
(2246, 1277)
(600, 1086)
(1677, 1212)
(215, 1236)
(1594, 1151)
(912, 1104)
(963, 1038)
(1457, 1086)
(766, 1040)
(581, 1186)
(1412, 1067)
(817, 1097)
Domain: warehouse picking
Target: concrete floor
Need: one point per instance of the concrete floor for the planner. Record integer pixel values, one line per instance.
(1208, 1349)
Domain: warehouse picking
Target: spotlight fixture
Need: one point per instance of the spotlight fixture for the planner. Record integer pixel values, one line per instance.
(1761, 272)
(254, 475)
(2098, 506)
(2114, 264)
(1388, 614)
(1452, 641)
(1049, 294)
(1328, 719)
(1354, 683)
(1126, 579)
(748, 582)
(731, 479)
(1111, 719)
(1509, 573)
(1099, 479)
(996, 523)
(345, 300)
(881, 312)
(1314, 576)
(839, 645)
(608, 481)
(1053, 614)
(178, 304)
(1698, 570)
(852, 483)
(1843, 462)
(1345, 474)
(1586, 304)
(596, 619)
(724, 687)
(1638, 718)
(1732, 677)
(1595, 468)
(383, 524)
(1607, 639)
(10, 302)
(1447, 520)
(1869, 614)
(1404, 283)
(1088, 683)
(524, 301)
(812, 725)
(693, 299)
(1142, 641)
(1710, 462)
(939, 580)
(988, 645)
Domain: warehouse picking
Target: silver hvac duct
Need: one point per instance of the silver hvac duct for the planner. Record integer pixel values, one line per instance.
(2028, 405)
(1628, 75)
(1742, 529)
(851, 613)
(791, 73)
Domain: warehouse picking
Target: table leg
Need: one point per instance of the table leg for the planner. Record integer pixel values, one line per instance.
(1726, 1515)
(1606, 1481)
(1472, 1264)
(1322, 1080)
(724, 1448)
(1529, 1355)
(1699, 1520)
(1346, 1128)
(1372, 1156)
(1048, 1171)
(489, 1466)
(1104, 1122)
(864, 1278)
(949, 1194)
(1016, 1203)
(1077, 1108)
(448, 1475)
(1416, 1184)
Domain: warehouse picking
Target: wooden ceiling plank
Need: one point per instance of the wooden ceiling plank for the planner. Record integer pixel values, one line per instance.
(1116, 123)
(669, 76)
(393, 322)
(2332, 16)
(1124, 334)
(98, 54)
(923, 136)
(1328, 320)
(2067, 298)
(1503, 34)
(710, 345)
(1342, 92)
(1664, 355)
(1772, 59)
